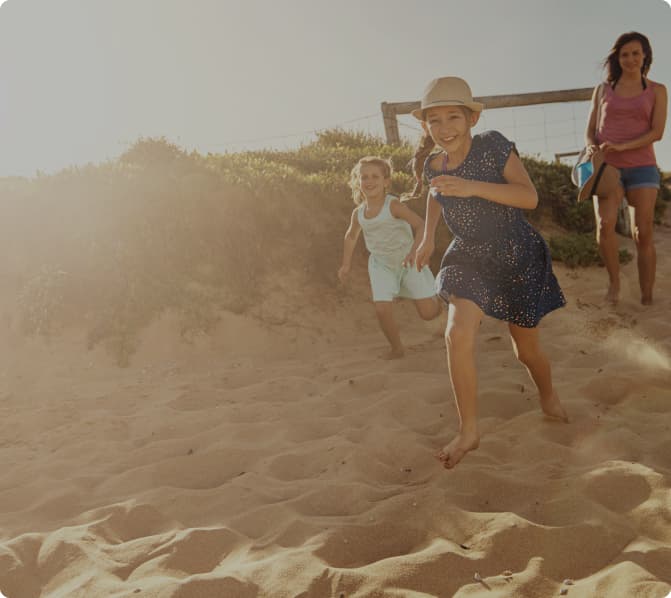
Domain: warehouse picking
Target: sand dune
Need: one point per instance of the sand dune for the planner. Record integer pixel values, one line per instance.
(288, 461)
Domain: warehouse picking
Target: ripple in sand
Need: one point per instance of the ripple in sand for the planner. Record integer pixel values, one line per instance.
(336, 500)
(261, 523)
(610, 389)
(58, 553)
(196, 400)
(563, 549)
(301, 466)
(202, 471)
(125, 522)
(211, 588)
(293, 535)
(197, 550)
(619, 487)
(357, 546)
(318, 427)
(626, 579)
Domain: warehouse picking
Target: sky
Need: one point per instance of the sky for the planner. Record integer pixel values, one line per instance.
(82, 80)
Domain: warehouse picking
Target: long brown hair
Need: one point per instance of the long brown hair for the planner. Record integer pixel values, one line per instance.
(422, 151)
(612, 61)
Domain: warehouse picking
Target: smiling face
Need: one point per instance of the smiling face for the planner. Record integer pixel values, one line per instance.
(372, 182)
(631, 57)
(450, 127)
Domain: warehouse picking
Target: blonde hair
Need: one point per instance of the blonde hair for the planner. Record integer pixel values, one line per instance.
(355, 175)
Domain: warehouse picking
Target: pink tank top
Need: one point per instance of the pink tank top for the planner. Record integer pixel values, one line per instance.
(623, 119)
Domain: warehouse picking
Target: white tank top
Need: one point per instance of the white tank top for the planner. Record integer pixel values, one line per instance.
(387, 238)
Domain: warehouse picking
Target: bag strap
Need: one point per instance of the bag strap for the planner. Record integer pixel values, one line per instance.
(597, 178)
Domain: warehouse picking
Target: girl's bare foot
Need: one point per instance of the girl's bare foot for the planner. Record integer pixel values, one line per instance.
(553, 408)
(454, 452)
(394, 353)
(645, 300)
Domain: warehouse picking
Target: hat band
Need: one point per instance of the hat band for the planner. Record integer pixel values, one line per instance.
(443, 101)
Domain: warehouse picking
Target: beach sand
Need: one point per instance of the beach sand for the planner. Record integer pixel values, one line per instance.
(284, 459)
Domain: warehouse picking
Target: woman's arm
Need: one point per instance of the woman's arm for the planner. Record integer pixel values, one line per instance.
(590, 130)
(656, 128)
(518, 191)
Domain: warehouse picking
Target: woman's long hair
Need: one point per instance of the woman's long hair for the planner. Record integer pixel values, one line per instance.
(612, 61)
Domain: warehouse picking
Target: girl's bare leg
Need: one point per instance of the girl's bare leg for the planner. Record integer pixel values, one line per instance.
(463, 320)
(390, 328)
(428, 309)
(527, 349)
(605, 212)
(642, 203)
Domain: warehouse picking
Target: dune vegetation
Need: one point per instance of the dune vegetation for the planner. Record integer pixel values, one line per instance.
(108, 247)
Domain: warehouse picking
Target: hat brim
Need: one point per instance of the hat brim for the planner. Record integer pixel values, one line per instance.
(474, 106)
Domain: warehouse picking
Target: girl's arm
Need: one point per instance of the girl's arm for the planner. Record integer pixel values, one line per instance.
(656, 129)
(428, 242)
(400, 210)
(517, 192)
(349, 243)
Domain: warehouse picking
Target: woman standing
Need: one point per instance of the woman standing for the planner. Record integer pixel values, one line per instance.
(628, 115)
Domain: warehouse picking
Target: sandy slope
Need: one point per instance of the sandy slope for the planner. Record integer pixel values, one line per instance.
(291, 462)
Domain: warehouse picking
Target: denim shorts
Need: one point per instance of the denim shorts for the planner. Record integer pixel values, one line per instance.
(638, 177)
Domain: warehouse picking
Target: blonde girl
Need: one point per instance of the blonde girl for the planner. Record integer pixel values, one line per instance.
(391, 232)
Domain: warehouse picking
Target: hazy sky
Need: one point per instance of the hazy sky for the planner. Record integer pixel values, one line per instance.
(80, 80)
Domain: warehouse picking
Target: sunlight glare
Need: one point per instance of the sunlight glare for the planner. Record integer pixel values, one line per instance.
(639, 350)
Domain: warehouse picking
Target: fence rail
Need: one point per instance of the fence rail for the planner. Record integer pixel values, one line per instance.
(390, 110)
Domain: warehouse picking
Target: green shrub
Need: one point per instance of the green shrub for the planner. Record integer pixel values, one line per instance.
(663, 199)
(580, 249)
(114, 245)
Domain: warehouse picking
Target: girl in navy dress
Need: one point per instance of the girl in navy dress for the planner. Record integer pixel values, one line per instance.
(497, 264)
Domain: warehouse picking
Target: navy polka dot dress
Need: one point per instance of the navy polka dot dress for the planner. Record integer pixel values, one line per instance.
(496, 259)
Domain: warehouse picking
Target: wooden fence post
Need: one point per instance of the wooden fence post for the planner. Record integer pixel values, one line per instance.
(390, 124)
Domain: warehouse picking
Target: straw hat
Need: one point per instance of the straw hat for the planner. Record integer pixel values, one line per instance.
(603, 179)
(447, 91)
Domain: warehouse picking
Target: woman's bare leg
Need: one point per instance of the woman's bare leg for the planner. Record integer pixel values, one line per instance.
(642, 203)
(605, 212)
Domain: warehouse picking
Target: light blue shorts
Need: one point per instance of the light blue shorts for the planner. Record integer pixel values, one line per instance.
(405, 281)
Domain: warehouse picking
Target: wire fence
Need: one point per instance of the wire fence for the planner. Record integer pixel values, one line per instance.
(541, 131)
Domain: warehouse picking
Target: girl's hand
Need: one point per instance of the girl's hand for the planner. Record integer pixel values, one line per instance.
(452, 186)
(607, 146)
(423, 253)
(592, 149)
(343, 272)
(409, 260)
